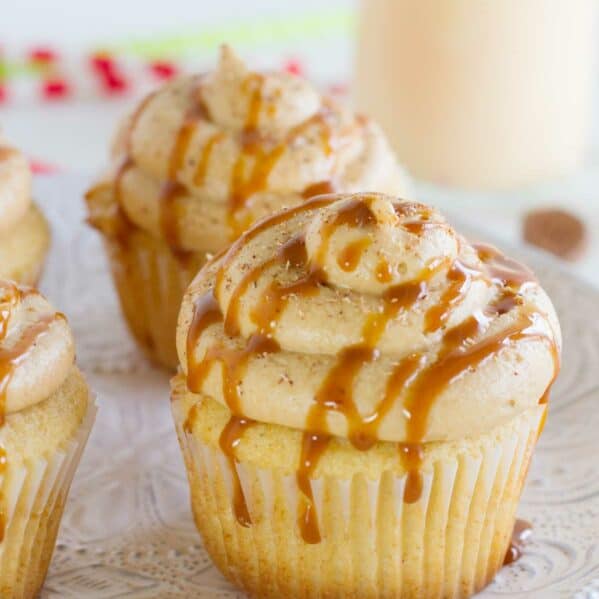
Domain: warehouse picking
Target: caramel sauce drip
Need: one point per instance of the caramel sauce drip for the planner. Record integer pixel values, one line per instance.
(253, 152)
(355, 214)
(350, 256)
(172, 190)
(520, 536)
(259, 155)
(274, 299)
(10, 358)
(460, 278)
(202, 167)
(229, 440)
(313, 446)
(508, 272)
(383, 272)
(6, 152)
(317, 189)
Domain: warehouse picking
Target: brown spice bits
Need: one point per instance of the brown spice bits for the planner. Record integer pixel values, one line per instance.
(556, 231)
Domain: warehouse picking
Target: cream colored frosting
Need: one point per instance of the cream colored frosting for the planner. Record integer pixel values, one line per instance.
(208, 155)
(36, 347)
(15, 186)
(331, 306)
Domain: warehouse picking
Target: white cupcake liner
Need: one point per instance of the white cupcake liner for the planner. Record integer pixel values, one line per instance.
(34, 498)
(150, 282)
(450, 543)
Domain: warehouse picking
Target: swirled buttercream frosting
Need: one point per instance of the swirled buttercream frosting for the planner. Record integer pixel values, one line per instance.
(36, 348)
(367, 318)
(207, 155)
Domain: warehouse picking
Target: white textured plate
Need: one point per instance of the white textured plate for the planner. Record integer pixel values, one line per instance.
(127, 529)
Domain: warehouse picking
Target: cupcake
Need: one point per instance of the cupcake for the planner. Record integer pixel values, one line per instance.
(46, 413)
(24, 233)
(203, 158)
(359, 397)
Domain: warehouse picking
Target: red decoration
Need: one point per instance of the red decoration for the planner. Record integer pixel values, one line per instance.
(114, 83)
(111, 77)
(163, 69)
(3, 94)
(102, 63)
(42, 55)
(294, 66)
(42, 168)
(54, 89)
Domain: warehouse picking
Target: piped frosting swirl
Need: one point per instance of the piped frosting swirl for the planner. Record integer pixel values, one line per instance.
(36, 348)
(369, 318)
(206, 156)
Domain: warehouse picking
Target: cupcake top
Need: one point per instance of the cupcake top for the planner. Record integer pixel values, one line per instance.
(36, 348)
(15, 186)
(369, 318)
(205, 156)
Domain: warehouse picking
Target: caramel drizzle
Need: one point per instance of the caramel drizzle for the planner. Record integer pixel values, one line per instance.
(317, 189)
(418, 377)
(260, 156)
(350, 256)
(520, 536)
(10, 359)
(7, 152)
(230, 438)
(202, 167)
(460, 279)
(172, 190)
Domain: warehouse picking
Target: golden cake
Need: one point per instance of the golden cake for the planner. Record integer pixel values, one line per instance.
(360, 393)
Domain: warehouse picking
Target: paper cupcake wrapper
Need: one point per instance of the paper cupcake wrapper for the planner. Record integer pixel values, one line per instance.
(450, 543)
(34, 499)
(151, 281)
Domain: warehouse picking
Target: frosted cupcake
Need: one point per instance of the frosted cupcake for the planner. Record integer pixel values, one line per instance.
(24, 233)
(203, 158)
(46, 413)
(360, 394)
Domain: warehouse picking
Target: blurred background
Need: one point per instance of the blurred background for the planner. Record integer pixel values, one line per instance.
(490, 104)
